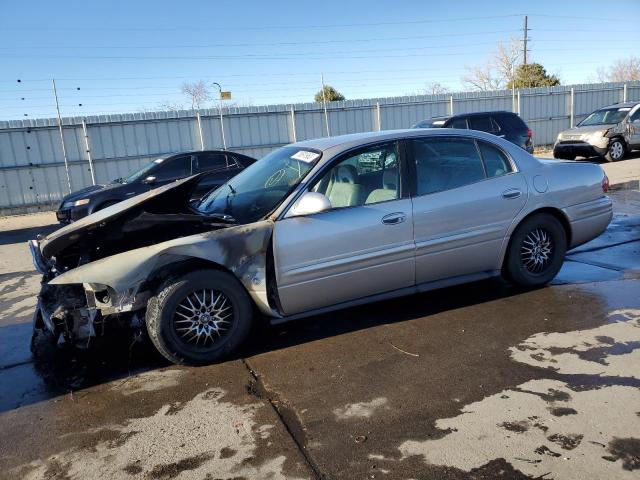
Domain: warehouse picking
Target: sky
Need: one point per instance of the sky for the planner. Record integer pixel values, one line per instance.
(129, 56)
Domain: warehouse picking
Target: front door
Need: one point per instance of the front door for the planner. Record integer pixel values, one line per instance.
(467, 195)
(362, 246)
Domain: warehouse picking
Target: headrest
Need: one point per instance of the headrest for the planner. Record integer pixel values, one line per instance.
(347, 174)
(390, 179)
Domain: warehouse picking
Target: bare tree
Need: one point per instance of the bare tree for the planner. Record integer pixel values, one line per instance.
(170, 106)
(197, 93)
(435, 88)
(622, 70)
(483, 78)
(498, 70)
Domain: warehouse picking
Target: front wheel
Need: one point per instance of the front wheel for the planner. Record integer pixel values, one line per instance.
(616, 151)
(536, 251)
(199, 318)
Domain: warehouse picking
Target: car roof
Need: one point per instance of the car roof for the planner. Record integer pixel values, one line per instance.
(469, 114)
(341, 143)
(621, 105)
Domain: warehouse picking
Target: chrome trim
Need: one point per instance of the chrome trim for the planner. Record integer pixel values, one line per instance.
(36, 257)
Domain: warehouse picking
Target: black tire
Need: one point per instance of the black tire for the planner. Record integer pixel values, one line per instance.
(519, 266)
(162, 318)
(570, 157)
(616, 150)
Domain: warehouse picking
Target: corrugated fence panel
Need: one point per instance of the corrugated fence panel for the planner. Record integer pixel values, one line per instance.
(32, 168)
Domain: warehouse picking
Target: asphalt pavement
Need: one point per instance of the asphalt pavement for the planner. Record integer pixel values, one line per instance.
(480, 381)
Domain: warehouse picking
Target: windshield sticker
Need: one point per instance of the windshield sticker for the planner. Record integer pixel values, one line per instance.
(305, 156)
(158, 160)
(624, 109)
(439, 122)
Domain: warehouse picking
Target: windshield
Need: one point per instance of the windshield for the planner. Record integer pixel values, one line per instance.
(258, 189)
(606, 116)
(142, 172)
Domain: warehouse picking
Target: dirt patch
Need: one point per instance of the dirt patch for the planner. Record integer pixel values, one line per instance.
(227, 452)
(562, 411)
(517, 427)
(172, 470)
(627, 450)
(567, 442)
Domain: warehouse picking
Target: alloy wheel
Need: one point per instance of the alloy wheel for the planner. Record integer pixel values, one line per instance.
(616, 150)
(536, 251)
(202, 318)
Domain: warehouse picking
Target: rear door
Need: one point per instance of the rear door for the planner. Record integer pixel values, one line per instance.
(467, 193)
(362, 246)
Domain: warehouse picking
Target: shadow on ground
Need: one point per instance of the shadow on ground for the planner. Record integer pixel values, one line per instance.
(61, 371)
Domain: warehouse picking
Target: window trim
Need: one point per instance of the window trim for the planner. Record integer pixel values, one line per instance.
(405, 185)
(414, 173)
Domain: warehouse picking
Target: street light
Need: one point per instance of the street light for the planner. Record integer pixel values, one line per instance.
(224, 142)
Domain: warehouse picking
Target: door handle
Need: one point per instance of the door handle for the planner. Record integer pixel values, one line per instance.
(394, 218)
(511, 193)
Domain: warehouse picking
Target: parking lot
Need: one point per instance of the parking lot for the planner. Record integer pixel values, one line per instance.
(476, 381)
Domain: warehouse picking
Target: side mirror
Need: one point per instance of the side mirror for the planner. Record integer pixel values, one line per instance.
(149, 180)
(310, 203)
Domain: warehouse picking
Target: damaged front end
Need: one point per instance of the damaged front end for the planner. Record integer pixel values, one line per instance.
(100, 272)
(76, 312)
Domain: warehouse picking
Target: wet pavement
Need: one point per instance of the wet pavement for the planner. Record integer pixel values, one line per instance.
(480, 381)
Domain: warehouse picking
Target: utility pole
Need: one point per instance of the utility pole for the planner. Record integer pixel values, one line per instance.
(324, 105)
(224, 141)
(525, 38)
(64, 148)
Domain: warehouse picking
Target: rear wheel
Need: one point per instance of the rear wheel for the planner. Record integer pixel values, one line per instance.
(616, 150)
(199, 318)
(536, 251)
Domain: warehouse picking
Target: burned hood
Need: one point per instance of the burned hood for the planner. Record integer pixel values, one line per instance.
(168, 199)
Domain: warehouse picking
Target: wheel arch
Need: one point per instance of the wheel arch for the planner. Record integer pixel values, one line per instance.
(557, 213)
(177, 268)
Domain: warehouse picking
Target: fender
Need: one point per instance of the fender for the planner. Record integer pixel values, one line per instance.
(240, 249)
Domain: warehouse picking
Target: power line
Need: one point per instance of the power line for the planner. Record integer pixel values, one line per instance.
(269, 27)
(262, 44)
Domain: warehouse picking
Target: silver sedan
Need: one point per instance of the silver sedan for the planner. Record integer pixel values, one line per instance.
(313, 227)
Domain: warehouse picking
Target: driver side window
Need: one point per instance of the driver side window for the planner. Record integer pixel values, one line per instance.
(367, 176)
(174, 169)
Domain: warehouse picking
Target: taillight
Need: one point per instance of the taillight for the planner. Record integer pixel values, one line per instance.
(605, 184)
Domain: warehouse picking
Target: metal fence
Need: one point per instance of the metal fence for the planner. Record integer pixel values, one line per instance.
(34, 174)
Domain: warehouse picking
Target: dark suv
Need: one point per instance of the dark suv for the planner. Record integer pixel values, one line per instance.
(217, 167)
(506, 125)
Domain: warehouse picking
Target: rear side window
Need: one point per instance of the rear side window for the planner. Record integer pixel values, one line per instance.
(459, 123)
(446, 163)
(495, 162)
(511, 122)
(211, 161)
(484, 124)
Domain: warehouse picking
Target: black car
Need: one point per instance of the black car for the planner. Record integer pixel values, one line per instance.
(506, 125)
(220, 165)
